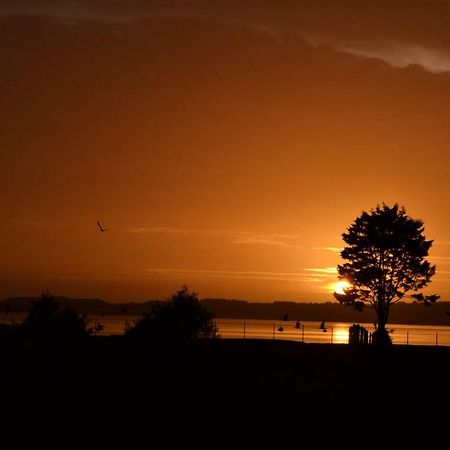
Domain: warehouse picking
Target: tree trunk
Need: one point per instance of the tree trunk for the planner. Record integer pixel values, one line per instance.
(381, 336)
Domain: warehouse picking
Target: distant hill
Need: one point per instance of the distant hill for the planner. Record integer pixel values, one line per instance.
(82, 305)
(403, 313)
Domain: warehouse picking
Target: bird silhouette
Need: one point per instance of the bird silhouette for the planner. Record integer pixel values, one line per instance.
(101, 228)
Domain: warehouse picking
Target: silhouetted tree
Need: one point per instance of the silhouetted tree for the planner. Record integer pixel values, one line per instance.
(48, 320)
(386, 258)
(181, 317)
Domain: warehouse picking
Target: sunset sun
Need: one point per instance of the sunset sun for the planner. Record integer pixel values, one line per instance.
(340, 287)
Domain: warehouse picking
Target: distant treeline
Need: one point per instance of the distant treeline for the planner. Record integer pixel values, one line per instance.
(403, 313)
(81, 305)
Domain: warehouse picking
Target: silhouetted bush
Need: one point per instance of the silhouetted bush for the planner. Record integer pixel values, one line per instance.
(47, 320)
(181, 317)
(381, 337)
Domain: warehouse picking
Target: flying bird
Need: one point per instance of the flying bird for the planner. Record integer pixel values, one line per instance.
(101, 228)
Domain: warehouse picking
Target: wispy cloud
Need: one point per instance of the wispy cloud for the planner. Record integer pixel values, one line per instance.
(187, 231)
(328, 249)
(404, 55)
(310, 275)
(439, 258)
(282, 240)
(265, 240)
(323, 271)
(396, 54)
(169, 230)
(254, 275)
(441, 281)
(442, 242)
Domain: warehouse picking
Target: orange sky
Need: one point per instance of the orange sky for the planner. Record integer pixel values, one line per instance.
(227, 146)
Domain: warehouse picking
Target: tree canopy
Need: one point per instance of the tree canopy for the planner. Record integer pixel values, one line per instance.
(48, 320)
(180, 317)
(385, 256)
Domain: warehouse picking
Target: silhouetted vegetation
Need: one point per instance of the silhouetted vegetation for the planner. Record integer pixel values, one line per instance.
(402, 313)
(358, 335)
(386, 253)
(47, 319)
(181, 317)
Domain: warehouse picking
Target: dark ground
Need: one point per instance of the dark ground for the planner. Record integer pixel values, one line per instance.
(204, 379)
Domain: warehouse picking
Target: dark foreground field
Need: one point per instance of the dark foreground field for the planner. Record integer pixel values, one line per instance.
(206, 379)
(243, 372)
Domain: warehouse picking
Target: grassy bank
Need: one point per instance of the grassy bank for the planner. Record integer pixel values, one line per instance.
(239, 369)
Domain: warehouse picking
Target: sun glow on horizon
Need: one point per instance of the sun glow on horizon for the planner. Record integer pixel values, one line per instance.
(341, 286)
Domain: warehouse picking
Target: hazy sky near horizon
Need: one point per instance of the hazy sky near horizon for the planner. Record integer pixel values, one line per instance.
(226, 144)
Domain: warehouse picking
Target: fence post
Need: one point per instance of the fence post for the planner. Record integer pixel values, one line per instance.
(332, 330)
(407, 337)
(244, 329)
(303, 333)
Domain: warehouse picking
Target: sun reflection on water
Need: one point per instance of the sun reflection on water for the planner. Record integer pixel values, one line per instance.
(340, 335)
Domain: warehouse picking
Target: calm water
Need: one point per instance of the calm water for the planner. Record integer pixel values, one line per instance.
(336, 332)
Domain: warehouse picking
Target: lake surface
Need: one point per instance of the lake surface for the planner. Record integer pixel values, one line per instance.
(335, 332)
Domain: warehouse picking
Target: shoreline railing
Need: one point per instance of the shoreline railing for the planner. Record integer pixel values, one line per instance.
(306, 331)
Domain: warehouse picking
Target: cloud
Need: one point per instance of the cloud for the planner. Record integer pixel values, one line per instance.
(328, 249)
(277, 20)
(441, 261)
(396, 54)
(270, 240)
(252, 275)
(187, 231)
(255, 240)
(404, 55)
(238, 237)
(323, 271)
(169, 230)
